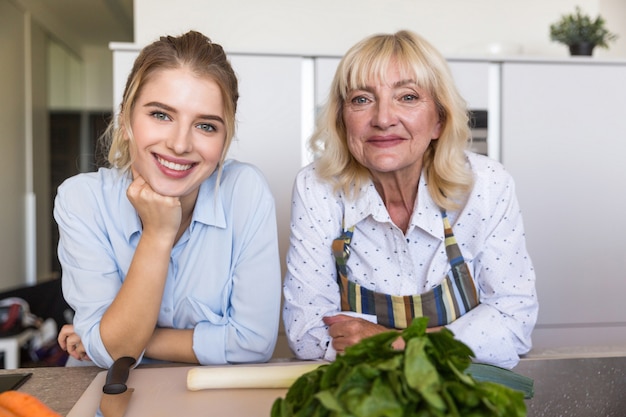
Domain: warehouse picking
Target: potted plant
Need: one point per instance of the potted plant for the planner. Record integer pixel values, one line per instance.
(581, 33)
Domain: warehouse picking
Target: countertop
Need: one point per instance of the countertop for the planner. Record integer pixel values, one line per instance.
(576, 387)
(573, 387)
(57, 387)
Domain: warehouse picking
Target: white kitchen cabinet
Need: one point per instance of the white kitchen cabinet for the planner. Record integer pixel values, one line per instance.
(563, 140)
(325, 68)
(472, 80)
(269, 128)
(478, 82)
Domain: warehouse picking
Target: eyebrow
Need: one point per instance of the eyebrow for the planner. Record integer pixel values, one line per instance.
(173, 110)
(402, 83)
(397, 84)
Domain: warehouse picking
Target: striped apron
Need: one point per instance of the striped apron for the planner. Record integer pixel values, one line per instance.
(451, 299)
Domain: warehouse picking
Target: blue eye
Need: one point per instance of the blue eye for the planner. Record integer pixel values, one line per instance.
(359, 100)
(410, 97)
(159, 115)
(207, 127)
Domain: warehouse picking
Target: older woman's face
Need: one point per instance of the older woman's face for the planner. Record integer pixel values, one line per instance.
(390, 124)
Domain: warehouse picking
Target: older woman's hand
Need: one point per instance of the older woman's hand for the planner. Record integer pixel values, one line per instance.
(347, 331)
(71, 343)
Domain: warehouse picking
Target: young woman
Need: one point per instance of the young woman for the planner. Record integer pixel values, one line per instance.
(172, 252)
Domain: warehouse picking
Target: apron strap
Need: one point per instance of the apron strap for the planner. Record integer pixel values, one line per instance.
(451, 299)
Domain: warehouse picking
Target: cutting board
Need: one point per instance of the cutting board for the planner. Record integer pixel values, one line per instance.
(162, 392)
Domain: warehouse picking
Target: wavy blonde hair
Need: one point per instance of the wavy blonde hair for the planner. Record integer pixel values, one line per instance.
(191, 50)
(444, 161)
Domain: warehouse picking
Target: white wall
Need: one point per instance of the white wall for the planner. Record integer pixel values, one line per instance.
(329, 27)
(24, 172)
(12, 120)
(79, 82)
(98, 71)
(41, 152)
(65, 78)
(614, 11)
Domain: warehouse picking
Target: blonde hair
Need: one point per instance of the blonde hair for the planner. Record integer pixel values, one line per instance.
(444, 161)
(192, 50)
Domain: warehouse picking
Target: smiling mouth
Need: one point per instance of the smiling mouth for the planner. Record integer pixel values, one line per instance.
(385, 142)
(173, 165)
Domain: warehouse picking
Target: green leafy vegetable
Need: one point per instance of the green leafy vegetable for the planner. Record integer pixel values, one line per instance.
(428, 378)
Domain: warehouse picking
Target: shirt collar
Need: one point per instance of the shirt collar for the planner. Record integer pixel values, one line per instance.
(367, 203)
(209, 208)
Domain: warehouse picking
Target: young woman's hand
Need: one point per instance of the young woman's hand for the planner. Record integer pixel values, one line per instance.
(71, 343)
(159, 214)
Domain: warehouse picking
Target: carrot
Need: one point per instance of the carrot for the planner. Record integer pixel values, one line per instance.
(21, 404)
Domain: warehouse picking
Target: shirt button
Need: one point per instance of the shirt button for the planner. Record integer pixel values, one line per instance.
(167, 309)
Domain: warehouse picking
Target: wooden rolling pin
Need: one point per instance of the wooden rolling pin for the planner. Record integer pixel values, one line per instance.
(277, 375)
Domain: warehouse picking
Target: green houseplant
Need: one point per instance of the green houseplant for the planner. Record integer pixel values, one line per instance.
(581, 33)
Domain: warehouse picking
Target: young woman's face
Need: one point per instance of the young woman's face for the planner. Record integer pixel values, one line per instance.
(390, 124)
(179, 130)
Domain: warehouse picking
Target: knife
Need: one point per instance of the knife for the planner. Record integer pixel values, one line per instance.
(115, 393)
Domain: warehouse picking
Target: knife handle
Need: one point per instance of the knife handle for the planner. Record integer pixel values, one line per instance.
(118, 375)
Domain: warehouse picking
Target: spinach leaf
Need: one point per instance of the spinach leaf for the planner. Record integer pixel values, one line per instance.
(428, 378)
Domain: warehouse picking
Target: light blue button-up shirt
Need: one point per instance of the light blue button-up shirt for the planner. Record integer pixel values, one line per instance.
(224, 272)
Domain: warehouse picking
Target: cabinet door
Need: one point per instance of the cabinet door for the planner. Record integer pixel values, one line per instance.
(325, 68)
(472, 80)
(563, 140)
(271, 113)
(269, 117)
(476, 84)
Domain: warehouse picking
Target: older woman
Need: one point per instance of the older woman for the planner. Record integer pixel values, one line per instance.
(396, 219)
